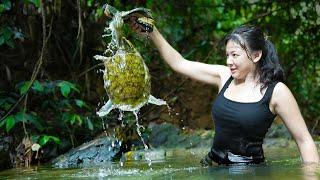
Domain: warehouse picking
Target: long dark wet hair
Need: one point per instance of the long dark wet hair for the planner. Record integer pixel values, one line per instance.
(251, 39)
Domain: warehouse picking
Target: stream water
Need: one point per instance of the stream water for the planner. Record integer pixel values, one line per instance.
(281, 163)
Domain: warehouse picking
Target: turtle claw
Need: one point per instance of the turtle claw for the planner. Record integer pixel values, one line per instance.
(105, 109)
(156, 101)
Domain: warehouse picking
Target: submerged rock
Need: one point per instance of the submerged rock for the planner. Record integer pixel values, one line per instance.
(169, 136)
(96, 152)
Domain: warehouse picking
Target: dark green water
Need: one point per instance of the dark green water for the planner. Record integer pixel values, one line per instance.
(281, 164)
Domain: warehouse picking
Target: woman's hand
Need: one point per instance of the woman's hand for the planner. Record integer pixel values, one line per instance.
(140, 24)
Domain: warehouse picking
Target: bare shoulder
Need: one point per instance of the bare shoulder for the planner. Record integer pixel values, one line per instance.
(281, 95)
(281, 90)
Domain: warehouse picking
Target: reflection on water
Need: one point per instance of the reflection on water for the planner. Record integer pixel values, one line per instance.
(280, 164)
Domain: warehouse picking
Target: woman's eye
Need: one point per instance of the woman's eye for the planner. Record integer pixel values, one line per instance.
(234, 55)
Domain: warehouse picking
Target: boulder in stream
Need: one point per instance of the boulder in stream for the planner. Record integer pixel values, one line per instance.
(99, 151)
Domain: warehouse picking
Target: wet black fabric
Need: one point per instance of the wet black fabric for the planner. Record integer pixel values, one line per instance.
(240, 128)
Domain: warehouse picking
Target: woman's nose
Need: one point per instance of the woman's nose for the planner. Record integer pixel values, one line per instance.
(229, 61)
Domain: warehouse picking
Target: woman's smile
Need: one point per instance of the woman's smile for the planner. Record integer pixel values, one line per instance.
(233, 70)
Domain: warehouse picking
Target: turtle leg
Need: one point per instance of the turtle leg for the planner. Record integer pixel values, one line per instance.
(153, 100)
(101, 58)
(105, 109)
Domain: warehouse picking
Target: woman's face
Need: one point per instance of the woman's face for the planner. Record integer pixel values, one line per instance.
(238, 62)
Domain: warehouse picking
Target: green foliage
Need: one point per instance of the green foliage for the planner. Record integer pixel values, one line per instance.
(44, 139)
(28, 118)
(5, 6)
(35, 2)
(66, 87)
(9, 122)
(69, 114)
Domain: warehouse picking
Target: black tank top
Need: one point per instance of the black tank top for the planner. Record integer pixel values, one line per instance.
(240, 127)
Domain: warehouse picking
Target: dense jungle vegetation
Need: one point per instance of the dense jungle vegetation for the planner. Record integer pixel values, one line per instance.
(51, 87)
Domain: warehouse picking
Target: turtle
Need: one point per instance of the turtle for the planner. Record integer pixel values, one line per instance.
(126, 76)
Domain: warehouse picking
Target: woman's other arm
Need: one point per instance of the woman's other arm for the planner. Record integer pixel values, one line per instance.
(287, 108)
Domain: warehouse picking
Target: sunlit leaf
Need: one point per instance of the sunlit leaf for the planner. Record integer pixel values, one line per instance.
(65, 89)
(44, 139)
(10, 122)
(55, 139)
(37, 86)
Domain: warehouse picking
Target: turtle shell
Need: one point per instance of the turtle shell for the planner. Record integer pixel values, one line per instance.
(127, 80)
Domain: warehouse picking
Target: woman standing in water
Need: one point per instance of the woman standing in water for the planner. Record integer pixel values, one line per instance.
(251, 95)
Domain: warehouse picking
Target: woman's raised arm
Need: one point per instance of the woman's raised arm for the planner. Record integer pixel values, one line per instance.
(207, 73)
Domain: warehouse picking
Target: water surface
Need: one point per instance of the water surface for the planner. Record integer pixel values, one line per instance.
(281, 163)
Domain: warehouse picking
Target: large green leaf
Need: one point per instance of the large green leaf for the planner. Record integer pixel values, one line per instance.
(65, 89)
(10, 122)
(44, 139)
(37, 86)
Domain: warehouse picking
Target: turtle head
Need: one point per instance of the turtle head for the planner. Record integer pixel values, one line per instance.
(109, 11)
